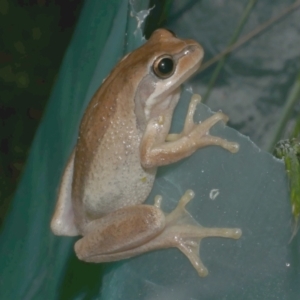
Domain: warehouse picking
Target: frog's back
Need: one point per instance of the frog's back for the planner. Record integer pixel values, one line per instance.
(107, 170)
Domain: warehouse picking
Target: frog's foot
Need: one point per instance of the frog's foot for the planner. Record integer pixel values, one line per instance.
(183, 232)
(199, 133)
(138, 229)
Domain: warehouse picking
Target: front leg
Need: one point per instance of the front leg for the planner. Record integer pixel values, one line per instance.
(159, 148)
(189, 120)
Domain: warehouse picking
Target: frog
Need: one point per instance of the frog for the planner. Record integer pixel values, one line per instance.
(124, 136)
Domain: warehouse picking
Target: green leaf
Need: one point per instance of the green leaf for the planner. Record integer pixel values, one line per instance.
(252, 184)
(34, 263)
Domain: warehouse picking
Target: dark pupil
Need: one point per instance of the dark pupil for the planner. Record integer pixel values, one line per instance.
(165, 66)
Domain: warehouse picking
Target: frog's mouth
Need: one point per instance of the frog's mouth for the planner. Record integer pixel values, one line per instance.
(155, 95)
(167, 91)
(165, 103)
(155, 104)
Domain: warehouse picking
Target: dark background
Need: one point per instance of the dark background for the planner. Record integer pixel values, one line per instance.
(34, 37)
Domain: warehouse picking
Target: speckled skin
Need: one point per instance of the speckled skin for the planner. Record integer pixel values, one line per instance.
(108, 174)
(123, 138)
(114, 177)
(111, 167)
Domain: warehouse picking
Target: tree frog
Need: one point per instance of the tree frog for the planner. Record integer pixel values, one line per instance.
(123, 138)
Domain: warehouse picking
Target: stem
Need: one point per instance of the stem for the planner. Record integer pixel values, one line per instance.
(250, 35)
(293, 96)
(236, 33)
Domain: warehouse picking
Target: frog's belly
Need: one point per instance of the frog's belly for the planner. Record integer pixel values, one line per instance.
(117, 185)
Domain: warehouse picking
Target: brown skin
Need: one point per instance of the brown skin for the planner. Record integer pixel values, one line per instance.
(123, 138)
(103, 105)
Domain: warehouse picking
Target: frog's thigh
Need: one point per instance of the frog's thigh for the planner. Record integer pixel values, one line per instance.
(62, 222)
(122, 230)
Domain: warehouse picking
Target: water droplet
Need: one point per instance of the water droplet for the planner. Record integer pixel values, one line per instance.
(214, 194)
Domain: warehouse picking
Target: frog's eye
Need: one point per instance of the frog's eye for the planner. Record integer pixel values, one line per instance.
(164, 66)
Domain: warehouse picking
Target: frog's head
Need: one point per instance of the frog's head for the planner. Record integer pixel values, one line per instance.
(166, 62)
